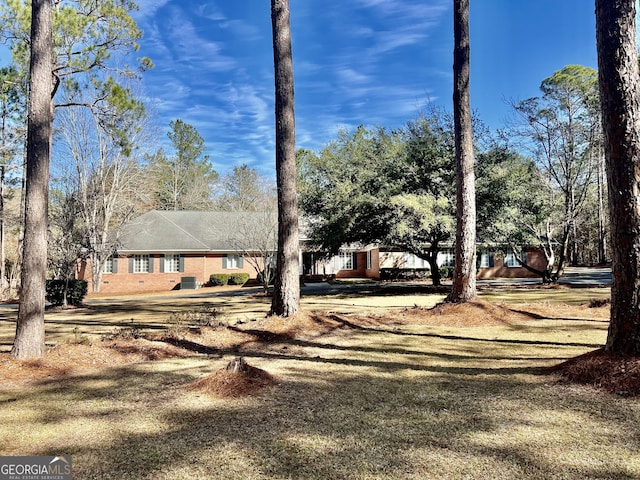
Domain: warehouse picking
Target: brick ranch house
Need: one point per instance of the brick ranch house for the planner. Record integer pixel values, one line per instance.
(371, 261)
(160, 249)
(167, 250)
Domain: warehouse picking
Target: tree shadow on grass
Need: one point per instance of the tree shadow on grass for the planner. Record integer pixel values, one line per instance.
(382, 364)
(354, 326)
(337, 423)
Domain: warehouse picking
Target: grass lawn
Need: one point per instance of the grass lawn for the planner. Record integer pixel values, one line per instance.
(368, 385)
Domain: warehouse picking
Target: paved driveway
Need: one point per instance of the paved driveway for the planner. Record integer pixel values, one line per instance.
(574, 276)
(586, 276)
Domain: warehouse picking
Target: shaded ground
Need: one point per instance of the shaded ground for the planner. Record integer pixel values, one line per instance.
(373, 387)
(612, 373)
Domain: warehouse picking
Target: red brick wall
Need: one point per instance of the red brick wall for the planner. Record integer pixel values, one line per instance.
(359, 272)
(535, 258)
(374, 271)
(195, 265)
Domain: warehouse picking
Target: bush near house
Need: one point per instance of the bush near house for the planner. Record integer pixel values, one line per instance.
(76, 291)
(446, 272)
(219, 279)
(238, 278)
(404, 273)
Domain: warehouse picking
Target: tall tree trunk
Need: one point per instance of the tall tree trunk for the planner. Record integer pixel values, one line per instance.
(3, 259)
(602, 237)
(464, 277)
(286, 295)
(620, 103)
(29, 340)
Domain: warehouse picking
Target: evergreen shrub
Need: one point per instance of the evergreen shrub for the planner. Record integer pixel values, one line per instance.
(219, 279)
(76, 291)
(238, 278)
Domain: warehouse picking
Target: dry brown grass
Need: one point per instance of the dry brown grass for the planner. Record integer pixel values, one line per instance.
(361, 392)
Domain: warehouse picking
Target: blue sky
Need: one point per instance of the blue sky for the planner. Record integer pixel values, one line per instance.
(371, 62)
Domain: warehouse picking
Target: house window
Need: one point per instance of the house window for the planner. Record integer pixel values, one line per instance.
(446, 258)
(108, 266)
(511, 259)
(172, 263)
(141, 264)
(484, 260)
(344, 261)
(369, 260)
(232, 262)
(410, 260)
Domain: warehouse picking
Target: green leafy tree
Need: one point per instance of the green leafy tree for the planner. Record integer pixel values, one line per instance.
(513, 210)
(380, 187)
(429, 178)
(421, 224)
(345, 189)
(185, 180)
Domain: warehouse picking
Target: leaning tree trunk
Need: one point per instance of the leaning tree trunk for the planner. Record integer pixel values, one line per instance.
(286, 295)
(620, 103)
(29, 340)
(464, 277)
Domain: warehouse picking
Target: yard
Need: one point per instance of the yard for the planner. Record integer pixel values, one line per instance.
(366, 382)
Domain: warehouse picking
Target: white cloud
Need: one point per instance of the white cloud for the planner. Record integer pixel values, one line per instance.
(148, 8)
(188, 48)
(418, 11)
(210, 11)
(351, 77)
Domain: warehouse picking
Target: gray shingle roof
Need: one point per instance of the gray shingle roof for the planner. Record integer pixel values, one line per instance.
(185, 231)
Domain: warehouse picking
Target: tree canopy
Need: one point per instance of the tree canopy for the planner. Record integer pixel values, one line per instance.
(185, 180)
(389, 188)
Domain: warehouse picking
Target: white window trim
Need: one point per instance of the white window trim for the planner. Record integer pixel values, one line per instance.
(108, 266)
(171, 263)
(344, 261)
(233, 262)
(141, 263)
(446, 258)
(511, 259)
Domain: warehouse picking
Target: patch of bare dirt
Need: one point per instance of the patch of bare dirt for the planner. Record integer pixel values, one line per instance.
(237, 379)
(612, 372)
